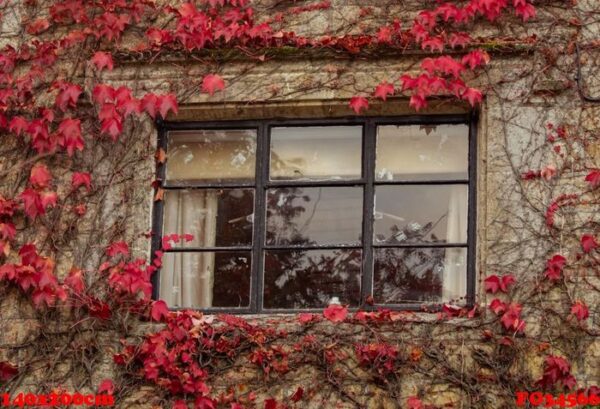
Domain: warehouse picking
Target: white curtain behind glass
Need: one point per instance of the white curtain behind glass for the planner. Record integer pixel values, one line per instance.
(454, 279)
(187, 278)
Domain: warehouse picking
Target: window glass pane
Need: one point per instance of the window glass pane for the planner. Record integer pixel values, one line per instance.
(311, 279)
(316, 153)
(214, 217)
(211, 156)
(429, 275)
(422, 152)
(314, 216)
(206, 279)
(421, 214)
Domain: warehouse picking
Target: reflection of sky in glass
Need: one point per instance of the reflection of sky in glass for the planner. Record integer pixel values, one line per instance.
(417, 152)
(316, 153)
(211, 155)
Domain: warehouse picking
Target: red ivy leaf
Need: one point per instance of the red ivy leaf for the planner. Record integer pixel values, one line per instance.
(38, 26)
(414, 402)
(202, 402)
(358, 104)
(67, 96)
(165, 104)
(102, 60)
(149, 104)
(18, 125)
(298, 394)
(383, 90)
(75, 280)
(270, 403)
(159, 310)
(117, 248)
(103, 93)
(497, 306)
(459, 40)
(70, 135)
(525, 11)
(476, 59)
(588, 243)
(511, 319)
(212, 83)
(7, 371)
(473, 95)
(433, 43)
(335, 313)
(580, 310)
(106, 386)
(81, 179)
(384, 35)
(40, 176)
(7, 231)
(180, 404)
(418, 102)
(306, 317)
(493, 283)
(593, 178)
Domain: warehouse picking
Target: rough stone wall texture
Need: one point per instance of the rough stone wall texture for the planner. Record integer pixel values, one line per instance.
(523, 95)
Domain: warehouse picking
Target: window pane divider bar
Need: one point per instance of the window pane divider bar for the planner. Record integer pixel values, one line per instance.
(192, 186)
(422, 182)
(315, 183)
(263, 147)
(420, 245)
(368, 169)
(315, 247)
(207, 249)
(472, 210)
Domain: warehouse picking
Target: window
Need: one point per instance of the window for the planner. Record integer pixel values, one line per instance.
(294, 215)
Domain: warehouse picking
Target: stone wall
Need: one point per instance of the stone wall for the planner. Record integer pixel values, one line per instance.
(527, 86)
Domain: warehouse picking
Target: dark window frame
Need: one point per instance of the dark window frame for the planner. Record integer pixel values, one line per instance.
(367, 181)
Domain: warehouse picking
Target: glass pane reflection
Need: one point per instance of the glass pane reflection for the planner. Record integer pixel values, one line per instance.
(422, 152)
(214, 217)
(311, 278)
(421, 214)
(211, 156)
(316, 153)
(310, 216)
(206, 279)
(431, 275)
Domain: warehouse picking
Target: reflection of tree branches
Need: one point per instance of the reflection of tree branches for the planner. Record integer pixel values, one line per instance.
(410, 234)
(312, 214)
(396, 280)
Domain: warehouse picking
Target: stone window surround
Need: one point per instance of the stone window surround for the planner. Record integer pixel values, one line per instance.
(339, 110)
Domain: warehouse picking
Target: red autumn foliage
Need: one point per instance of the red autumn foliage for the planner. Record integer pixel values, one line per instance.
(381, 357)
(102, 60)
(588, 243)
(493, 283)
(335, 313)
(106, 386)
(358, 104)
(580, 310)
(212, 83)
(557, 373)
(593, 178)
(554, 267)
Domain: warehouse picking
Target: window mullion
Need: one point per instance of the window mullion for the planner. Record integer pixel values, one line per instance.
(472, 210)
(369, 136)
(262, 175)
(158, 208)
